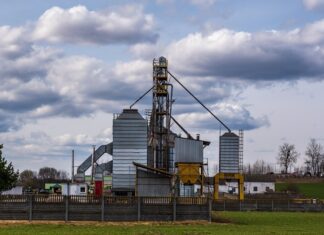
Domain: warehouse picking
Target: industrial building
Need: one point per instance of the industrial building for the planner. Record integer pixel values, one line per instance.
(149, 159)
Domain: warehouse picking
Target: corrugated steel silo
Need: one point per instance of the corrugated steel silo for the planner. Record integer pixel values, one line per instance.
(129, 145)
(229, 153)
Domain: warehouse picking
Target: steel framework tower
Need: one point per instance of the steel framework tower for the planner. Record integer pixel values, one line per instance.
(161, 112)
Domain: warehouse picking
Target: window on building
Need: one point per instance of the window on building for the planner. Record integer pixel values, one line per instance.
(255, 188)
(82, 189)
(267, 189)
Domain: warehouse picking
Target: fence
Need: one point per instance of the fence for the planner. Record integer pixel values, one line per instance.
(302, 205)
(74, 208)
(77, 208)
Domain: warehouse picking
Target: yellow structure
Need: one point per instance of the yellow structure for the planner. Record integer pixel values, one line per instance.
(229, 176)
(191, 173)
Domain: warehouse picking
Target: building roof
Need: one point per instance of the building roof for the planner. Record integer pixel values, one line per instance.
(259, 178)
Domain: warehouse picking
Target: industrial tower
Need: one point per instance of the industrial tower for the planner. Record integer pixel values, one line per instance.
(161, 113)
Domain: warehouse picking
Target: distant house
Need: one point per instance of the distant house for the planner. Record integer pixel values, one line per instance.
(256, 184)
(65, 189)
(258, 187)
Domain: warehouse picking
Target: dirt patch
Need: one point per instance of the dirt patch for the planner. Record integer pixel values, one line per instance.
(96, 223)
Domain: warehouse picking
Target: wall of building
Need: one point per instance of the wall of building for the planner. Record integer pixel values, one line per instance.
(152, 184)
(18, 190)
(187, 150)
(249, 187)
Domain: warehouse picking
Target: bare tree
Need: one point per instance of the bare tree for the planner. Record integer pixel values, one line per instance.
(28, 178)
(46, 173)
(62, 175)
(314, 153)
(259, 167)
(287, 156)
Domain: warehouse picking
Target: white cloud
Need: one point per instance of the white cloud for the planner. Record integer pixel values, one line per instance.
(261, 56)
(13, 41)
(236, 116)
(42, 82)
(146, 51)
(203, 3)
(200, 3)
(79, 25)
(313, 4)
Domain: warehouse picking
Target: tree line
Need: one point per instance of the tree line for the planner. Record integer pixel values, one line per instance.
(9, 178)
(287, 158)
(32, 179)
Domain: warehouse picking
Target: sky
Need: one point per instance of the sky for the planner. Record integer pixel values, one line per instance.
(67, 66)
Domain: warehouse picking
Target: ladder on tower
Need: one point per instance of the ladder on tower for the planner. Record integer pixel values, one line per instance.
(241, 143)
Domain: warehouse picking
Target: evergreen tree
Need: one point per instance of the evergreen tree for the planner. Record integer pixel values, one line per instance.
(8, 176)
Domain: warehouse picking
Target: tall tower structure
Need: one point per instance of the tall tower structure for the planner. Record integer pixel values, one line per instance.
(161, 111)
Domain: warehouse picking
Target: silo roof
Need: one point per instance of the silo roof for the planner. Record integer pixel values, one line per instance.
(130, 114)
(229, 134)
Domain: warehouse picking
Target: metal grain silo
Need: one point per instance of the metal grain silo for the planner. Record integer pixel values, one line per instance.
(129, 145)
(229, 153)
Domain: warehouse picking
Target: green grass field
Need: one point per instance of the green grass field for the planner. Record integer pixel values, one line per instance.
(225, 223)
(311, 190)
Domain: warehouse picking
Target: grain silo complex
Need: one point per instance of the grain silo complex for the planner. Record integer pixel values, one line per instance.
(150, 159)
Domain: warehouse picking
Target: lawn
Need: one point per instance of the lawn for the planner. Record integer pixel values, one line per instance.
(224, 223)
(311, 190)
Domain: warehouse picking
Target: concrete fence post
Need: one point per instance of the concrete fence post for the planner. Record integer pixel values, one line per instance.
(103, 208)
(66, 208)
(210, 210)
(272, 206)
(30, 202)
(174, 209)
(138, 208)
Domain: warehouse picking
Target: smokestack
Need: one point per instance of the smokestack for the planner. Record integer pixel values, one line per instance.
(72, 174)
(198, 137)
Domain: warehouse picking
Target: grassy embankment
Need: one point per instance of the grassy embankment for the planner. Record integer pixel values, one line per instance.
(311, 190)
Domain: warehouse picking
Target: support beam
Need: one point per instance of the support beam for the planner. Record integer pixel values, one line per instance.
(229, 176)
